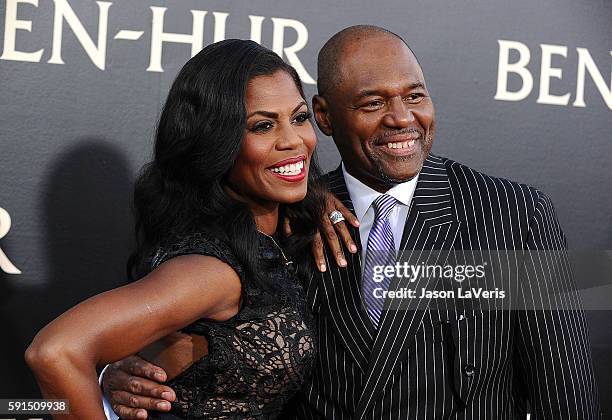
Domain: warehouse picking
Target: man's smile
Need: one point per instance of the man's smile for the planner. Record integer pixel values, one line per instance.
(401, 144)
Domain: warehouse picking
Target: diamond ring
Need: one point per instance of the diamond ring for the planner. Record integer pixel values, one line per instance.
(336, 217)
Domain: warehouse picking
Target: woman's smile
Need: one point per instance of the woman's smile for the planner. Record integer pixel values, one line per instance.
(291, 169)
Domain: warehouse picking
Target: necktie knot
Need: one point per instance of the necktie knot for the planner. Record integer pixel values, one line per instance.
(383, 205)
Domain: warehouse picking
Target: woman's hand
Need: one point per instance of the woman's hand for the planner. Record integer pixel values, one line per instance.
(334, 233)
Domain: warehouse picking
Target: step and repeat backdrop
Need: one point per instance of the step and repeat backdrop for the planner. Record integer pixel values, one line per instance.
(522, 90)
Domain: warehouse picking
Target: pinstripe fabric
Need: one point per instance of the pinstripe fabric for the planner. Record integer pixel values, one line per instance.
(450, 360)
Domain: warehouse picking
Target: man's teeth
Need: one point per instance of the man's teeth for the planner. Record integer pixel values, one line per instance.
(403, 145)
(290, 169)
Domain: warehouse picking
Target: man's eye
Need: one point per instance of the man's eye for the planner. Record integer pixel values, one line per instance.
(414, 97)
(374, 104)
(262, 127)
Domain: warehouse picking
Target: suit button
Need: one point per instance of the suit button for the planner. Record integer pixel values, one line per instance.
(469, 370)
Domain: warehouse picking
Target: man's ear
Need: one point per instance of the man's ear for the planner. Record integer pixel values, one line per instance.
(321, 114)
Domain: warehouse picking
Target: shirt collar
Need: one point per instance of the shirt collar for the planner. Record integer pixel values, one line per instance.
(362, 196)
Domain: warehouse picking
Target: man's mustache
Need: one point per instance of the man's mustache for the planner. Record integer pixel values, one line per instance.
(381, 139)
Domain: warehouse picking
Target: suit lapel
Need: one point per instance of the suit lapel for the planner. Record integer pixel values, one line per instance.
(340, 287)
(431, 225)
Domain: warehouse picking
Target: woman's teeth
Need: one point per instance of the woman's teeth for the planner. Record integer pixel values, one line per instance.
(403, 145)
(291, 169)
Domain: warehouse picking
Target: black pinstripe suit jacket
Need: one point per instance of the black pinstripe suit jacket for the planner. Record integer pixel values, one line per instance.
(456, 361)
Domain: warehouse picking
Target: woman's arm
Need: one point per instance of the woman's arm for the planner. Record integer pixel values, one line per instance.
(117, 323)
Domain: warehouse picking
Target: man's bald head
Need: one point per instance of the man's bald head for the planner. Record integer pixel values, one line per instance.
(374, 103)
(330, 57)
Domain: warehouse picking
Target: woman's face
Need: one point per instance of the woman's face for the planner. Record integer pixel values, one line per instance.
(272, 166)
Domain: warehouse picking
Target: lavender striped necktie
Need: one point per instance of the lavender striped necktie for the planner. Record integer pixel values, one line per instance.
(380, 252)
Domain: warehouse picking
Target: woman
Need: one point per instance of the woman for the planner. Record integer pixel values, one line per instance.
(233, 155)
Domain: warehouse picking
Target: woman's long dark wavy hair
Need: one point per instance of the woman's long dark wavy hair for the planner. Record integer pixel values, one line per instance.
(198, 140)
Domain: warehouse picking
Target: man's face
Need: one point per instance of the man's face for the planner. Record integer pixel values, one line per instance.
(380, 114)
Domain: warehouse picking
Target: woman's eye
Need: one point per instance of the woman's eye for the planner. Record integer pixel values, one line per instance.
(302, 117)
(262, 127)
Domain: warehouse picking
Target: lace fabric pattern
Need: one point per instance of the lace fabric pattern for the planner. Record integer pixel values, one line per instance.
(257, 359)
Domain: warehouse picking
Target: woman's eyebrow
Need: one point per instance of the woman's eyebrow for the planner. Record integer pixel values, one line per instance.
(264, 113)
(271, 114)
(301, 104)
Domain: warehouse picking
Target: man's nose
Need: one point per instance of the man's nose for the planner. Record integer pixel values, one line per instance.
(399, 115)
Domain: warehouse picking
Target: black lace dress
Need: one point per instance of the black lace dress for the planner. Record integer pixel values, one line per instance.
(259, 358)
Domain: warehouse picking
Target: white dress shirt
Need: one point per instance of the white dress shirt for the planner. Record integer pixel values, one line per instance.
(108, 410)
(363, 196)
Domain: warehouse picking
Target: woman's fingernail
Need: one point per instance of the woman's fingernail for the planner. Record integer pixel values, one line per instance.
(164, 405)
(353, 248)
(323, 267)
(342, 262)
(166, 395)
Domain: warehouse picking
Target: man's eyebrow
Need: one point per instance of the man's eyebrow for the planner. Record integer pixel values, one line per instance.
(374, 92)
(274, 114)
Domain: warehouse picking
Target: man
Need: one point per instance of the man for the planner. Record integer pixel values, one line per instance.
(428, 359)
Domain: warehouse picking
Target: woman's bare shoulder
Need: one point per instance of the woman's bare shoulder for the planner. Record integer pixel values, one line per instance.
(198, 279)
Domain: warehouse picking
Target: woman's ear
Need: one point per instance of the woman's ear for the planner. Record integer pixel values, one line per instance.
(321, 114)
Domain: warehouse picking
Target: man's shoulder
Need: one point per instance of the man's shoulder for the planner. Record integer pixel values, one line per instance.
(478, 196)
(462, 177)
